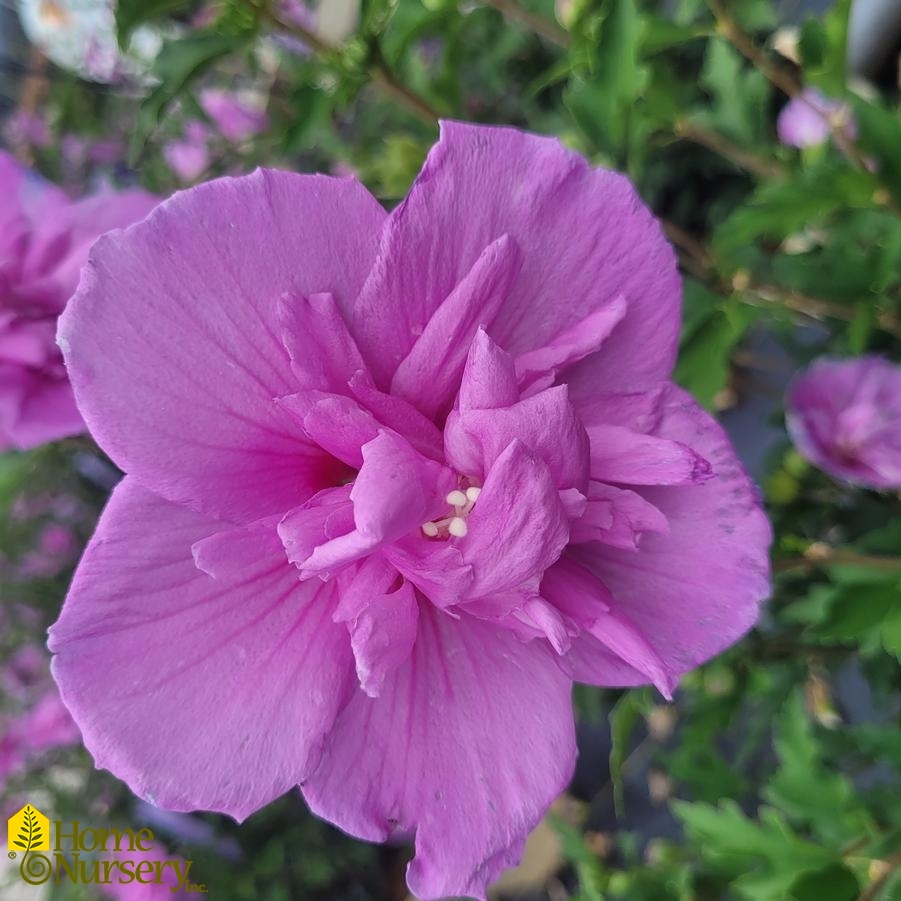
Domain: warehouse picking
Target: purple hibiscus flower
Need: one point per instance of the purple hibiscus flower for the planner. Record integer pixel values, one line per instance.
(394, 483)
(44, 240)
(235, 119)
(805, 120)
(845, 417)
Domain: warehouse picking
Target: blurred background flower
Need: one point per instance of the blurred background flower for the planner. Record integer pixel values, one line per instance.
(775, 775)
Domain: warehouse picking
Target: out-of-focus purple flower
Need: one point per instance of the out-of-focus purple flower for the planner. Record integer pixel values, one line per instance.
(29, 127)
(297, 12)
(190, 156)
(73, 149)
(48, 724)
(235, 120)
(44, 240)
(106, 151)
(11, 757)
(805, 120)
(400, 481)
(55, 548)
(25, 669)
(845, 417)
(38, 721)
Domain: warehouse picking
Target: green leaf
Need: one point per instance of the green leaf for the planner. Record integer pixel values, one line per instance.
(178, 63)
(879, 130)
(710, 332)
(738, 95)
(822, 45)
(804, 787)
(765, 855)
(623, 719)
(587, 864)
(877, 743)
(834, 883)
(779, 209)
(859, 609)
(662, 34)
(602, 100)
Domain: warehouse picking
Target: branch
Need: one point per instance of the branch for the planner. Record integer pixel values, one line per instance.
(380, 73)
(889, 866)
(544, 28)
(733, 33)
(696, 260)
(790, 84)
(821, 554)
(744, 159)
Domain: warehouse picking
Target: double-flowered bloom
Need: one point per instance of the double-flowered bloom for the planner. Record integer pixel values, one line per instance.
(845, 417)
(44, 242)
(393, 483)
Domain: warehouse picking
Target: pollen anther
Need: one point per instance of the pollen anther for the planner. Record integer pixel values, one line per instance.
(457, 527)
(454, 525)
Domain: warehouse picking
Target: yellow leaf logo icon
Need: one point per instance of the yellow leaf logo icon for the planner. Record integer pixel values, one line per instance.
(28, 830)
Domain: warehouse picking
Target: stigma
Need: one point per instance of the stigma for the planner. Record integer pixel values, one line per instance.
(454, 525)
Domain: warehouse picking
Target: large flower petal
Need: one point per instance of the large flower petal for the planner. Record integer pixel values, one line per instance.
(429, 374)
(323, 353)
(518, 527)
(468, 743)
(697, 588)
(172, 341)
(545, 422)
(582, 597)
(585, 238)
(620, 455)
(199, 692)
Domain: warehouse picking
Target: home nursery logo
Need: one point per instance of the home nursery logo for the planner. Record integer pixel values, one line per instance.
(85, 855)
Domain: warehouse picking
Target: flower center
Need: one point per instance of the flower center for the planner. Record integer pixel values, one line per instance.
(462, 502)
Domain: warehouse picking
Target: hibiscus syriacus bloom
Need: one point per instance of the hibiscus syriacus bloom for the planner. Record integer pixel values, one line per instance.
(235, 119)
(44, 241)
(805, 120)
(845, 417)
(394, 482)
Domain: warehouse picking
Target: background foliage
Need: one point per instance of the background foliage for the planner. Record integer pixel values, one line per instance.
(777, 773)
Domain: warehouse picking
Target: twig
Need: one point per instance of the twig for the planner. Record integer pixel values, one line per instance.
(544, 28)
(821, 554)
(727, 149)
(694, 256)
(696, 260)
(380, 74)
(791, 85)
(890, 865)
(733, 33)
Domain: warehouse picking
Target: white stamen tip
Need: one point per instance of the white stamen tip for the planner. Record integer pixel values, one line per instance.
(430, 529)
(472, 493)
(457, 527)
(456, 499)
